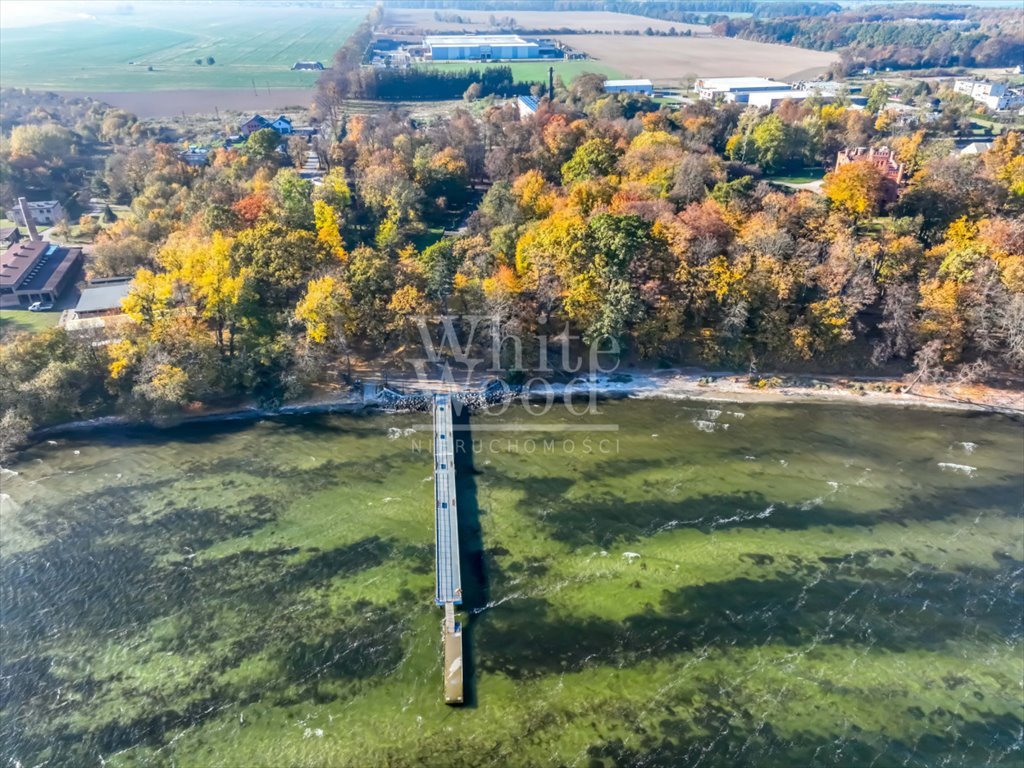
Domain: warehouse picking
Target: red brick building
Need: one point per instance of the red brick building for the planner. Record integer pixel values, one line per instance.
(882, 158)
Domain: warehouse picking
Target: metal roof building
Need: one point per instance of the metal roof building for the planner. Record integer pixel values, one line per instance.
(629, 86)
(480, 47)
(103, 297)
(737, 88)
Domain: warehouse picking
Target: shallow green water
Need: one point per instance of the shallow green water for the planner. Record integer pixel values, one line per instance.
(815, 586)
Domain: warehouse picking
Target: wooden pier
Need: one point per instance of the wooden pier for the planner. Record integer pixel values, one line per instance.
(448, 591)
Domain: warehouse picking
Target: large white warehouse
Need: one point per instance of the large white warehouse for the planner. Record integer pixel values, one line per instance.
(480, 47)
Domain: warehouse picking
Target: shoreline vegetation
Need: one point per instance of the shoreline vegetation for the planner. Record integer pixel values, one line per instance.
(667, 384)
(260, 273)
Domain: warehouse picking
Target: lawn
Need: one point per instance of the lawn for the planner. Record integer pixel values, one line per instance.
(534, 71)
(12, 320)
(113, 51)
(804, 176)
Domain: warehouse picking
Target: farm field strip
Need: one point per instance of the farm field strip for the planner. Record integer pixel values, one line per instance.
(479, 21)
(247, 43)
(674, 59)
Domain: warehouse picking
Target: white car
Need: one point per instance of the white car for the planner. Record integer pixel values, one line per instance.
(40, 306)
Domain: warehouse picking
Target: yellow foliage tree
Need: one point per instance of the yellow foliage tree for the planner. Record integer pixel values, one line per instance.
(327, 230)
(856, 188)
(533, 194)
(320, 310)
(149, 296)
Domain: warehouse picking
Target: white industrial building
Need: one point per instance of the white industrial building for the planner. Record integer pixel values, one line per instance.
(737, 88)
(480, 47)
(993, 95)
(629, 86)
(772, 99)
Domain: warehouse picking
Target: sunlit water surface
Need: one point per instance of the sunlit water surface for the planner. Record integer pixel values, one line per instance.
(681, 584)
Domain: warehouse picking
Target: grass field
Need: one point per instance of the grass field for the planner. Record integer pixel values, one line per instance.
(806, 176)
(249, 42)
(535, 71)
(14, 320)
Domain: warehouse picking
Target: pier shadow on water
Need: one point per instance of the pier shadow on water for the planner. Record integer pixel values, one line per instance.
(475, 581)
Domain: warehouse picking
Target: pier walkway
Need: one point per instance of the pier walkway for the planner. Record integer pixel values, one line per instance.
(448, 591)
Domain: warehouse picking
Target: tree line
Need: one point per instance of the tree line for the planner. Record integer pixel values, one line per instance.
(897, 36)
(604, 214)
(670, 10)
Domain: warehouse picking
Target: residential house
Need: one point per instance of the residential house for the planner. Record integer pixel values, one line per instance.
(41, 211)
(282, 125)
(253, 124)
(258, 122)
(882, 158)
(995, 96)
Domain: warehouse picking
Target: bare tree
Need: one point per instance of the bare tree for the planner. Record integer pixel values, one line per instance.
(1012, 323)
(928, 362)
(897, 324)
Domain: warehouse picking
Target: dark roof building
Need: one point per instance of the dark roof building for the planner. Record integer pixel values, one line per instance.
(103, 297)
(9, 236)
(258, 122)
(37, 270)
(253, 124)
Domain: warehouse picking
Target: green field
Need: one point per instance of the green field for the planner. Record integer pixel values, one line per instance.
(535, 71)
(14, 320)
(249, 42)
(806, 176)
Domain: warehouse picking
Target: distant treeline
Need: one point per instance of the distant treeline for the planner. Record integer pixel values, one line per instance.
(669, 10)
(428, 84)
(896, 37)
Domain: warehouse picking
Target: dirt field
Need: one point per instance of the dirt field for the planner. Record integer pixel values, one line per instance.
(477, 21)
(673, 59)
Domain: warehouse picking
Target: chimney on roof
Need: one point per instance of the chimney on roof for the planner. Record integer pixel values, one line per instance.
(30, 225)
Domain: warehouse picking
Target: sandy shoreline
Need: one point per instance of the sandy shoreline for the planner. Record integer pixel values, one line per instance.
(670, 384)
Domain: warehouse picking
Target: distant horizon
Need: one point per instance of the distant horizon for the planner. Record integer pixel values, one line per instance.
(33, 13)
(30, 13)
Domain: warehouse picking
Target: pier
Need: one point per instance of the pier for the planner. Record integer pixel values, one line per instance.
(448, 592)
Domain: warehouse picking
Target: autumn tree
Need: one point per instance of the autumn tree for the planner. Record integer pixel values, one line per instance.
(593, 158)
(262, 145)
(856, 188)
(321, 309)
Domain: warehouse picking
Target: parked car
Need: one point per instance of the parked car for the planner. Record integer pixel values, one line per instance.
(40, 306)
